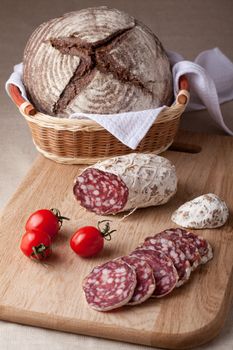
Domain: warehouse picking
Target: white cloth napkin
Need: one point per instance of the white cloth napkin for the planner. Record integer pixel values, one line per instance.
(211, 83)
(210, 78)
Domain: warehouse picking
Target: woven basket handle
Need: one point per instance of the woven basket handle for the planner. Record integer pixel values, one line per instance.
(183, 95)
(27, 108)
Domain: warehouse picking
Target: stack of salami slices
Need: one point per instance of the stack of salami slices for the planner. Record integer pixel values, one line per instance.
(153, 269)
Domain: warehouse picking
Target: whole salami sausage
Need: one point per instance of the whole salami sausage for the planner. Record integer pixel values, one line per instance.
(126, 182)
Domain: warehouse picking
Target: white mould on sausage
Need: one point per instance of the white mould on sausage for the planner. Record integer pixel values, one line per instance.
(206, 211)
(128, 182)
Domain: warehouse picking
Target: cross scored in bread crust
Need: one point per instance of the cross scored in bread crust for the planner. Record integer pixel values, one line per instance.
(93, 57)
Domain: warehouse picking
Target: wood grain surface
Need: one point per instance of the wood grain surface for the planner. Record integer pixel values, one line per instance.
(51, 295)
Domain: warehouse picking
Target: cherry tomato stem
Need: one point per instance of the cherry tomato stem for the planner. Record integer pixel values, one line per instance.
(58, 215)
(105, 231)
(36, 245)
(39, 250)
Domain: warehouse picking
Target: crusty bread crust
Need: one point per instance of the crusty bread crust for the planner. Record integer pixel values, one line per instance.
(97, 60)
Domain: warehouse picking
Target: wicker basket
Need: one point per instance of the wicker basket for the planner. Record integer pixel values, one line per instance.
(73, 141)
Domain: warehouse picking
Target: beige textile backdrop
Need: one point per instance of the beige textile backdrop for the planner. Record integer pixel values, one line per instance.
(185, 26)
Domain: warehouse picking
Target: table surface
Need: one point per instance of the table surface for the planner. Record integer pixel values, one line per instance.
(182, 26)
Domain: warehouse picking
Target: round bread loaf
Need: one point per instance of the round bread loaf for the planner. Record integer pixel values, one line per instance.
(97, 60)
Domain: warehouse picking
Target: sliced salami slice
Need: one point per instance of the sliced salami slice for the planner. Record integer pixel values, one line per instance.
(178, 258)
(184, 244)
(165, 273)
(110, 285)
(203, 246)
(145, 279)
(100, 192)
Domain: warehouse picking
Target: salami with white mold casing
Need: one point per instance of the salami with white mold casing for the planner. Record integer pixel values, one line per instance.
(125, 183)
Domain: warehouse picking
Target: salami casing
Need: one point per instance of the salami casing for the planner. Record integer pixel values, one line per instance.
(206, 211)
(126, 182)
(165, 274)
(110, 285)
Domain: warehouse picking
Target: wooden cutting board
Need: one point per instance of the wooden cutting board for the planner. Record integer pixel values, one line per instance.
(51, 296)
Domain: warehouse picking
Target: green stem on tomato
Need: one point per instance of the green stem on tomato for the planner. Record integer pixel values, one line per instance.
(39, 250)
(60, 218)
(105, 231)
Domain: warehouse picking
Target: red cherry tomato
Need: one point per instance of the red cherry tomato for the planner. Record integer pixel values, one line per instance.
(89, 240)
(45, 220)
(36, 245)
